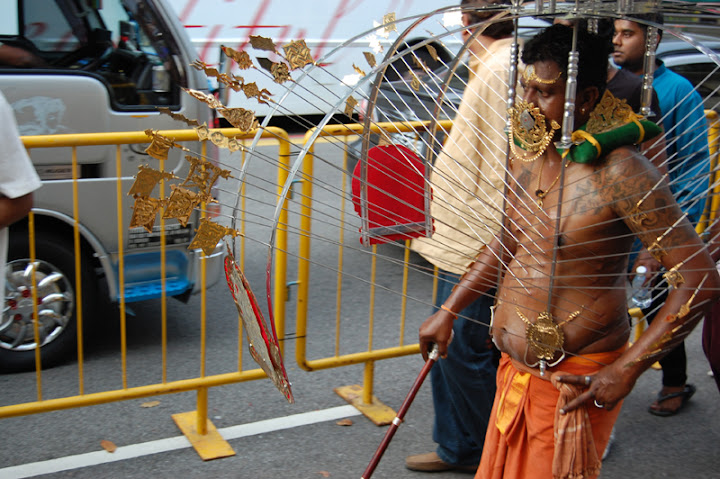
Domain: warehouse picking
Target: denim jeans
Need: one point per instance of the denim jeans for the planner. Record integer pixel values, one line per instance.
(463, 384)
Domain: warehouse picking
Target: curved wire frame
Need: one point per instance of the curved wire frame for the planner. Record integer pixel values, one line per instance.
(418, 92)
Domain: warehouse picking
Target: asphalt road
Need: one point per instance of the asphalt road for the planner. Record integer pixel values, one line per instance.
(307, 439)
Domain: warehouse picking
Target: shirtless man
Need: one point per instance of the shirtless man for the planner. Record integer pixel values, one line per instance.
(561, 314)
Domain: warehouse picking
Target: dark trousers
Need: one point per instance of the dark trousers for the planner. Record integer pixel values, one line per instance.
(674, 364)
(463, 384)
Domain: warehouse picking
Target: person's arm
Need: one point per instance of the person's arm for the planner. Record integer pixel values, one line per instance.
(713, 243)
(19, 57)
(695, 285)
(14, 209)
(482, 276)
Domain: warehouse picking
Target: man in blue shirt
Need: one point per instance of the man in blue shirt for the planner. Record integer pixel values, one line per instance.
(683, 119)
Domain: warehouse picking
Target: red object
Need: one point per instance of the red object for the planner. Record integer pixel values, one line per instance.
(262, 340)
(395, 193)
(375, 460)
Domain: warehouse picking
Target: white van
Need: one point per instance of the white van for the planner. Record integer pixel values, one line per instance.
(323, 24)
(106, 67)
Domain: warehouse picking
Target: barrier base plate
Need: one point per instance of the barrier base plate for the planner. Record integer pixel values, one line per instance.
(377, 412)
(210, 445)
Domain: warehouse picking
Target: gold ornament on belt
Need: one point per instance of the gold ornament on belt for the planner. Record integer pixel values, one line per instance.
(529, 129)
(545, 338)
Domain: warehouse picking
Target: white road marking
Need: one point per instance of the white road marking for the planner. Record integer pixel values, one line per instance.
(164, 445)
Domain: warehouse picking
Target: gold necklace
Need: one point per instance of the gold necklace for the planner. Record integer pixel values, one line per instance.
(540, 193)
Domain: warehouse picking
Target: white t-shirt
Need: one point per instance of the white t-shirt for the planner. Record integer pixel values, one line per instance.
(17, 175)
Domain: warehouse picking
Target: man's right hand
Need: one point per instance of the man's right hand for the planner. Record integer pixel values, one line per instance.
(438, 330)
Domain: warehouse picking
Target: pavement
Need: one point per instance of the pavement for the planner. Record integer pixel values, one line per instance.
(320, 436)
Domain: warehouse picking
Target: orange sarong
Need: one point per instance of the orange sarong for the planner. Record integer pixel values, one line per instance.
(527, 438)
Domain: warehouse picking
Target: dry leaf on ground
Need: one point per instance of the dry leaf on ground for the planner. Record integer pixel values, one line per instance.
(109, 446)
(150, 404)
(345, 422)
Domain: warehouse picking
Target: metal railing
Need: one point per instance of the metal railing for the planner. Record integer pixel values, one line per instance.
(196, 420)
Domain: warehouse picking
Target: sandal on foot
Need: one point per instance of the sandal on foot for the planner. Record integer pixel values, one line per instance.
(686, 394)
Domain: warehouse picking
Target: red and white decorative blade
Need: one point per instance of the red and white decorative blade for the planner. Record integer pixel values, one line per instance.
(262, 341)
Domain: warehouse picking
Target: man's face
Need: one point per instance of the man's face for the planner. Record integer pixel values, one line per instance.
(629, 43)
(545, 89)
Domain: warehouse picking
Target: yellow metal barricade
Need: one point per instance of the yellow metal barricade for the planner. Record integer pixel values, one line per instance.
(194, 424)
(360, 396)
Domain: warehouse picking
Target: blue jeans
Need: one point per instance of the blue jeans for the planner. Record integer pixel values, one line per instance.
(463, 384)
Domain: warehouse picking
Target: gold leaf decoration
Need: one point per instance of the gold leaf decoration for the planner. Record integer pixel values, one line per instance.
(415, 81)
(144, 212)
(146, 179)
(388, 23)
(159, 146)
(177, 116)
(240, 118)
(210, 100)
(358, 70)
(280, 72)
(370, 58)
(350, 104)
(218, 139)
(208, 235)
(251, 90)
(181, 204)
(203, 175)
(262, 43)
(204, 67)
(242, 59)
(433, 52)
(298, 54)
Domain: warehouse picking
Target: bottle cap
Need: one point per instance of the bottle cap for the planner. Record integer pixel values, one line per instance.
(641, 270)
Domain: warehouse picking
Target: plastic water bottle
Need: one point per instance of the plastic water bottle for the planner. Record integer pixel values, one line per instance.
(642, 294)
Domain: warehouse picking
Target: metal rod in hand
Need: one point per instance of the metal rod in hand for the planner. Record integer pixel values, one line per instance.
(432, 357)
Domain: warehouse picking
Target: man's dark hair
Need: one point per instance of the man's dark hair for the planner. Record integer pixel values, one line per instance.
(652, 17)
(605, 30)
(497, 30)
(554, 44)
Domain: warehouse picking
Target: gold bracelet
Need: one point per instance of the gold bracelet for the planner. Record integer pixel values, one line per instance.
(445, 308)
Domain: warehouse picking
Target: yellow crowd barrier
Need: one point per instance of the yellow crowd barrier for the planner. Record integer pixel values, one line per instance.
(195, 424)
(360, 396)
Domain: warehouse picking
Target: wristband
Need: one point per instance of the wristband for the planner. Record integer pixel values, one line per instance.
(445, 308)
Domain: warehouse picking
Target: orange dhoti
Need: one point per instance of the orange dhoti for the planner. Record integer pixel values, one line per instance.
(527, 438)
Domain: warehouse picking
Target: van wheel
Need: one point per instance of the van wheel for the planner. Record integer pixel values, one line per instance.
(54, 271)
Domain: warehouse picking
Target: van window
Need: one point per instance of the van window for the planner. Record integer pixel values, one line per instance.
(8, 20)
(47, 28)
(120, 42)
